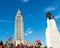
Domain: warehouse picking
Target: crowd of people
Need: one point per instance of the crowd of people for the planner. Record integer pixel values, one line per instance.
(18, 46)
(11, 45)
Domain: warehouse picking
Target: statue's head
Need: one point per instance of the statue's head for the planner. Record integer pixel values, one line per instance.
(49, 15)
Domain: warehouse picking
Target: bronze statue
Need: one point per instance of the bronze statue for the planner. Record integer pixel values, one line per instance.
(49, 15)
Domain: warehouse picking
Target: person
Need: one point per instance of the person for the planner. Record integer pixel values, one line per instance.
(31, 46)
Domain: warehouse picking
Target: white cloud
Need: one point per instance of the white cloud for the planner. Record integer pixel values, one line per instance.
(25, 1)
(28, 29)
(57, 17)
(28, 32)
(50, 8)
(5, 21)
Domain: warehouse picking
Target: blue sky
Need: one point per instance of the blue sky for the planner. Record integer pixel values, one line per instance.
(34, 17)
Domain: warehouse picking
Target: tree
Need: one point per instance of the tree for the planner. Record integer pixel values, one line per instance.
(1, 43)
(45, 46)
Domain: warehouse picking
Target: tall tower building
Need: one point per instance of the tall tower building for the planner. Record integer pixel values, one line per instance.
(52, 34)
(19, 34)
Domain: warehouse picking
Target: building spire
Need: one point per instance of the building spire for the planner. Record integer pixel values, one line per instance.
(19, 12)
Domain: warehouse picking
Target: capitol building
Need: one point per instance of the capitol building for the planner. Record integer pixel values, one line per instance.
(19, 30)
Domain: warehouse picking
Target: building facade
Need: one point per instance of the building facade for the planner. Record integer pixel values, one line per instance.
(19, 33)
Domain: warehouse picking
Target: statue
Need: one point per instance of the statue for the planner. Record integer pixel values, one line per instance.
(49, 15)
